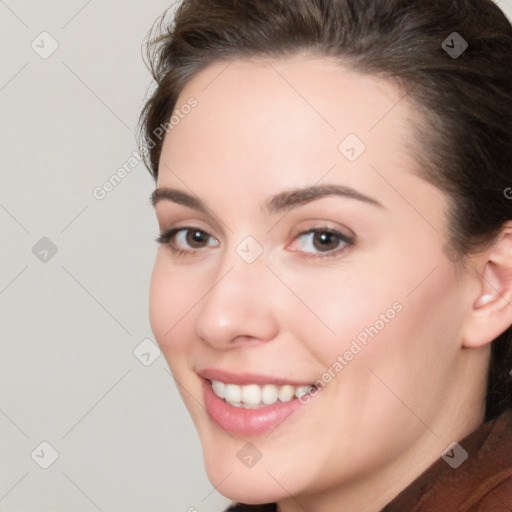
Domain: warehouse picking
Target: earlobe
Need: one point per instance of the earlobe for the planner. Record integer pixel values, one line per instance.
(491, 313)
(483, 300)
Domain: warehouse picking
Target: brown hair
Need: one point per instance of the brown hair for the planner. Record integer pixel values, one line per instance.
(465, 101)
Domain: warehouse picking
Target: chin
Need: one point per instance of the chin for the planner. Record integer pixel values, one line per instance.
(232, 479)
(247, 490)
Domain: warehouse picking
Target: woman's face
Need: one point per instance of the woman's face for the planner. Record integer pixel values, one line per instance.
(306, 251)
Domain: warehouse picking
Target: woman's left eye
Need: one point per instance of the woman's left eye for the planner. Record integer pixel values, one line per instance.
(321, 242)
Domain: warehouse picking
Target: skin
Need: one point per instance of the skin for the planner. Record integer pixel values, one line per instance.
(264, 127)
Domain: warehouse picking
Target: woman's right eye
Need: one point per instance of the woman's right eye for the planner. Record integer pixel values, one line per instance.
(186, 240)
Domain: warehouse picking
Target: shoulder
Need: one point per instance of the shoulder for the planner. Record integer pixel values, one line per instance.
(480, 481)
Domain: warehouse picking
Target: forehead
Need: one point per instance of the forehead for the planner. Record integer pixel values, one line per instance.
(286, 120)
(303, 96)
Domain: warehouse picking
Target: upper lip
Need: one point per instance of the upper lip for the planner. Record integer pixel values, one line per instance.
(243, 379)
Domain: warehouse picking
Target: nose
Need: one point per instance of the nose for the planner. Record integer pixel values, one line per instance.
(237, 308)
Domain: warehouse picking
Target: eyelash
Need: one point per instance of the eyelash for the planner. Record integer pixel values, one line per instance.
(166, 237)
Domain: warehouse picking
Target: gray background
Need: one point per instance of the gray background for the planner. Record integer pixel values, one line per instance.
(73, 371)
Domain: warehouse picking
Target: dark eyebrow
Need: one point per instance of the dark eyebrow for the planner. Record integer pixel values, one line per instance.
(288, 200)
(284, 201)
(178, 197)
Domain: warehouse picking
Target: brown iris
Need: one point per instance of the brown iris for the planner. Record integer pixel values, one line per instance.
(325, 241)
(196, 239)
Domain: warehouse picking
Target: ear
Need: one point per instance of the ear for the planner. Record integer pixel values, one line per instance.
(491, 314)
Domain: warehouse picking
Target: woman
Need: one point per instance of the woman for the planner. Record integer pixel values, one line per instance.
(333, 288)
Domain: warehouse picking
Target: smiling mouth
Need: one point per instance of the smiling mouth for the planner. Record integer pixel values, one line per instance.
(251, 404)
(256, 396)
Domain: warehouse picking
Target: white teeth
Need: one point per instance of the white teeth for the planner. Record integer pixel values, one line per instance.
(219, 388)
(253, 396)
(286, 393)
(303, 390)
(269, 394)
(233, 393)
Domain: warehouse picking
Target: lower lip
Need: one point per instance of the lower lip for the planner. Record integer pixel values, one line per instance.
(246, 422)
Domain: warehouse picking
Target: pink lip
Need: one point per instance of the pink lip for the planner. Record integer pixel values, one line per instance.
(246, 378)
(246, 422)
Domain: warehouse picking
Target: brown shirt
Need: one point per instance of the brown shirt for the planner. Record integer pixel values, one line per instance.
(482, 482)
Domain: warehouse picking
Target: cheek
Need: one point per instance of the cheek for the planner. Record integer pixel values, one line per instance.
(160, 302)
(410, 350)
(330, 308)
(169, 303)
(403, 325)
